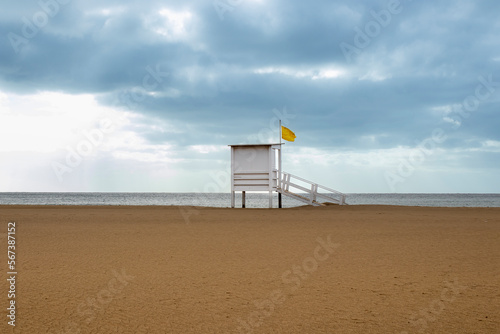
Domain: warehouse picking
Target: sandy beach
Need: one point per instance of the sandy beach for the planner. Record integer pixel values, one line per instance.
(335, 269)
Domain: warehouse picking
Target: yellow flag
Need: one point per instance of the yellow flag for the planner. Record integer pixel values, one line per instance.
(287, 134)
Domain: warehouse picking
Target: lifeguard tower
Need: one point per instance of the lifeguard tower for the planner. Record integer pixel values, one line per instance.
(257, 167)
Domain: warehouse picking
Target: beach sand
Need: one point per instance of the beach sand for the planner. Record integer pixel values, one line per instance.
(334, 269)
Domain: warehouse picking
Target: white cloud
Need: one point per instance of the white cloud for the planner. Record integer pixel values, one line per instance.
(175, 25)
(375, 75)
(205, 149)
(313, 74)
(370, 158)
(39, 130)
(145, 153)
(47, 121)
(492, 144)
(454, 122)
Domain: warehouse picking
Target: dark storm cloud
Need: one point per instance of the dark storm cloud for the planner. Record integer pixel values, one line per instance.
(425, 55)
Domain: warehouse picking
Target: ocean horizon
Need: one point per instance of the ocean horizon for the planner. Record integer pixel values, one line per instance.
(253, 200)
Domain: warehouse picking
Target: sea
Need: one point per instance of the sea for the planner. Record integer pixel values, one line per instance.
(253, 200)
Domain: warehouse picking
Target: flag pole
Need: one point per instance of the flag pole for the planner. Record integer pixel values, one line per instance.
(279, 172)
(280, 131)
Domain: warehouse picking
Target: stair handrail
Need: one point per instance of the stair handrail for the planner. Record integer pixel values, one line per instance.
(285, 183)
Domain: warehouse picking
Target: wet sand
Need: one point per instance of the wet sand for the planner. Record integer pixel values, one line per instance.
(335, 269)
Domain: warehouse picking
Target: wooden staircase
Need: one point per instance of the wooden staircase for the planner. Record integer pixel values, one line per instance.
(309, 191)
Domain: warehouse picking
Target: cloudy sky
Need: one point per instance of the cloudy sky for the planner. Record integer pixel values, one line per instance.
(384, 96)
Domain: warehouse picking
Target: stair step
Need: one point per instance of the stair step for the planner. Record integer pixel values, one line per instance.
(301, 198)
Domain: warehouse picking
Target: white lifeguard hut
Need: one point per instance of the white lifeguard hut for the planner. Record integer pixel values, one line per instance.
(255, 167)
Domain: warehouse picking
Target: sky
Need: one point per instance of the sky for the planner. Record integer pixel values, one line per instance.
(145, 96)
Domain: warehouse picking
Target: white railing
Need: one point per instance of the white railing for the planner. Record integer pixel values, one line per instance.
(311, 190)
